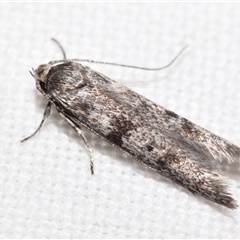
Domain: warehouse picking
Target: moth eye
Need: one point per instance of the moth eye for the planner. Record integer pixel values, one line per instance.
(43, 86)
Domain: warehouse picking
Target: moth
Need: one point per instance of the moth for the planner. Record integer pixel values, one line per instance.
(154, 136)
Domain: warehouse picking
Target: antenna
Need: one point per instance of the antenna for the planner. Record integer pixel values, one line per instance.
(110, 63)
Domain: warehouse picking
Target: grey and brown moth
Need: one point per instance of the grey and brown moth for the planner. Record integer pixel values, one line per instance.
(160, 139)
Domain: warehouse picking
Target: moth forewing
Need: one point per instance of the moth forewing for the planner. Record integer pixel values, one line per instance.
(160, 139)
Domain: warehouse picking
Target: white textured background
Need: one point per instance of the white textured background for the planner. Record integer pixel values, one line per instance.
(46, 189)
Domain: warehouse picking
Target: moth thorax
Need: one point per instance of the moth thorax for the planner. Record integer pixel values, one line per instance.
(41, 72)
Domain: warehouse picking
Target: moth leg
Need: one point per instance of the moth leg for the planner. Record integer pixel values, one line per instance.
(80, 133)
(45, 115)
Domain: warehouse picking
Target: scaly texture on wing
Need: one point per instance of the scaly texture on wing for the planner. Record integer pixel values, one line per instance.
(154, 136)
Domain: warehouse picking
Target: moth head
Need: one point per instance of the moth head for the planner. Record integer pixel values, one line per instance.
(40, 74)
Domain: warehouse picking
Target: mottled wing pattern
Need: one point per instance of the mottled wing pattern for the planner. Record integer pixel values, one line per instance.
(151, 134)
